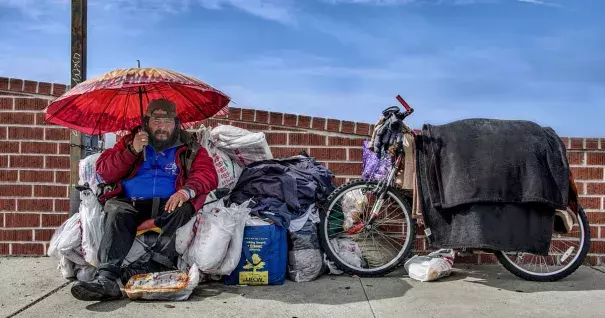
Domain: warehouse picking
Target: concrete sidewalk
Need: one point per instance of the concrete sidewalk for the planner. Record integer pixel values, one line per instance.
(33, 287)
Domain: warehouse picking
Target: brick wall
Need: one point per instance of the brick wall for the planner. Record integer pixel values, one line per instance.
(335, 143)
(34, 173)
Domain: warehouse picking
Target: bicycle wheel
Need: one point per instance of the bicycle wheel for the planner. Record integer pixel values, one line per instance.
(567, 252)
(363, 248)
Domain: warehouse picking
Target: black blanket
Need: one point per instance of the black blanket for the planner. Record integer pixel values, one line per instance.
(491, 184)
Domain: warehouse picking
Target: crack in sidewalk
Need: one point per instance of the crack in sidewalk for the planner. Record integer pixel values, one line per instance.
(596, 269)
(367, 298)
(38, 300)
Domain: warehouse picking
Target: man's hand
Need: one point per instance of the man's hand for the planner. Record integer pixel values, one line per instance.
(140, 141)
(175, 201)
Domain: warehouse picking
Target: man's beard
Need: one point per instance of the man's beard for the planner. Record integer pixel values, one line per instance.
(159, 144)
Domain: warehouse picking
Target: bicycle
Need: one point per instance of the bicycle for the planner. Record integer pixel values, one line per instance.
(355, 214)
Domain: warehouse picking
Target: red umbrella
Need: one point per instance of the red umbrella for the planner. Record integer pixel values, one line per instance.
(117, 100)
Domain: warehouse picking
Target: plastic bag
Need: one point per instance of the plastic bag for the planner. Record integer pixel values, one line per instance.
(215, 228)
(374, 168)
(305, 262)
(234, 252)
(432, 267)
(172, 285)
(227, 169)
(91, 223)
(87, 171)
(349, 251)
(353, 204)
(331, 266)
(241, 145)
(66, 243)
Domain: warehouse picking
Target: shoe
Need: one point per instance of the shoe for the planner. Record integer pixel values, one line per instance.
(137, 268)
(99, 289)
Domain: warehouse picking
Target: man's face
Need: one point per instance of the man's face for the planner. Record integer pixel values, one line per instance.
(161, 129)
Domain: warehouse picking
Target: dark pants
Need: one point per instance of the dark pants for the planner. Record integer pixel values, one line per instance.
(122, 217)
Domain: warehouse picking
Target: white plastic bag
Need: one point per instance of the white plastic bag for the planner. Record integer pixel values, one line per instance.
(432, 267)
(87, 171)
(349, 251)
(172, 285)
(66, 243)
(211, 242)
(243, 146)
(353, 204)
(234, 252)
(91, 222)
(227, 169)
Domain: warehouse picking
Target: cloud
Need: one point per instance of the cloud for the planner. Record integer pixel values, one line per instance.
(276, 10)
(541, 3)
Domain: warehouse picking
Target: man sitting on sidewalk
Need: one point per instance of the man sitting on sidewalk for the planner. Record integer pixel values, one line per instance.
(165, 189)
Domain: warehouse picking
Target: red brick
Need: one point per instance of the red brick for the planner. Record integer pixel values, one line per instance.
(30, 104)
(597, 247)
(591, 260)
(355, 154)
(6, 103)
(565, 141)
(59, 89)
(595, 188)
(285, 128)
(594, 232)
(62, 177)
(44, 88)
(61, 205)
(3, 132)
(468, 259)
(64, 149)
(298, 139)
(4, 248)
(276, 118)
(40, 120)
(348, 127)
(235, 113)
(262, 117)
(250, 126)
(248, 114)
(54, 219)
(339, 181)
(575, 158)
(38, 147)
(596, 159)
(35, 205)
(286, 152)
(577, 143)
(28, 133)
(596, 217)
(56, 134)
(592, 143)
(349, 169)
(8, 175)
(363, 129)
(57, 162)
(590, 203)
(319, 123)
(44, 235)
(290, 120)
(8, 204)
(16, 85)
(587, 173)
(304, 122)
(276, 138)
(22, 219)
(27, 249)
(26, 161)
(16, 235)
(17, 118)
(3, 161)
(9, 147)
(340, 141)
(329, 153)
(35, 176)
(50, 191)
(333, 125)
(3, 82)
(15, 190)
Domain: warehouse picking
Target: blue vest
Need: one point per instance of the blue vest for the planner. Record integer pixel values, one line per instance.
(156, 178)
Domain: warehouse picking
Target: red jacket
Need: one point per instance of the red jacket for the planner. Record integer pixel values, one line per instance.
(118, 164)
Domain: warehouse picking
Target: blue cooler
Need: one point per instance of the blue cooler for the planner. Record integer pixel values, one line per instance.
(264, 257)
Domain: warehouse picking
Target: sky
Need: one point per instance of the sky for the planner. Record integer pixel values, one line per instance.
(538, 60)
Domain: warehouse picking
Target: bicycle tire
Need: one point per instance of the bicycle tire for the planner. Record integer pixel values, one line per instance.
(572, 267)
(324, 235)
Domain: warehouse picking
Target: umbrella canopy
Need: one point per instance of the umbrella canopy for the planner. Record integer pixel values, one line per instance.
(117, 100)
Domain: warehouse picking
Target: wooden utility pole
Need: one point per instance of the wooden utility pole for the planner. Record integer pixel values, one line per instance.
(77, 75)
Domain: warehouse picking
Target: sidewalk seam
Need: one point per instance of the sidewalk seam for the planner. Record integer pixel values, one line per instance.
(596, 269)
(367, 298)
(38, 300)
